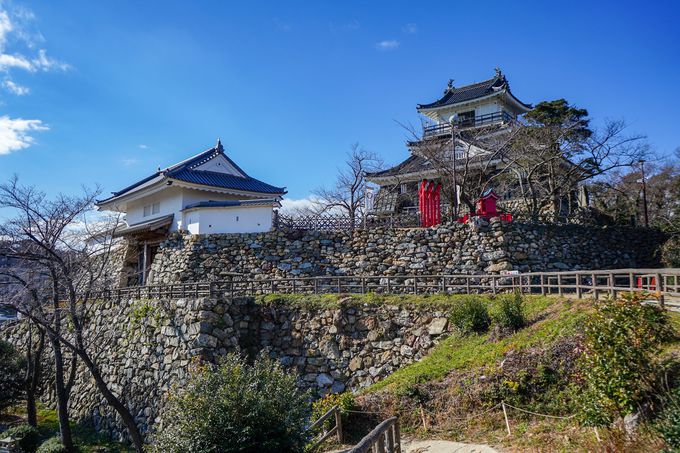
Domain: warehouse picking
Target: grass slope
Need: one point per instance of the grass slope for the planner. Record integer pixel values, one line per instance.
(549, 318)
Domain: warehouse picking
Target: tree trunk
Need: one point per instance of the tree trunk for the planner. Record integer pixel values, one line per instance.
(62, 398)
(33, 378)
(119, 407)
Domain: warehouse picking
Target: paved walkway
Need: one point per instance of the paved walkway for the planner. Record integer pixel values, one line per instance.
(444, 446)
(437, 446)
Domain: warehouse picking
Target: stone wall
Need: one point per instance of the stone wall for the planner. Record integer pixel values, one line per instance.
(446, 249)
(145, 347)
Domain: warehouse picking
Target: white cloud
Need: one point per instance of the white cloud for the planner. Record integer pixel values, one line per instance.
(130, 161)
(15, 88)
(5, 28)
(346, 27)
(410, 29)
(388, 44)
(8, 61)
(45, 63)
(143, 146)
(282, 26)
(14, 133)
(15, 29)
(18, 43)
(289, 206)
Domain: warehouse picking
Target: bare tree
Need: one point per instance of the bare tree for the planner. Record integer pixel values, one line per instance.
(479, 162)
(348, 194)
(541, 161)
(549, 165)
(59, 270)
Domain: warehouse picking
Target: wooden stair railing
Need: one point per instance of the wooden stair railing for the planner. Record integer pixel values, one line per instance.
(337, 429)
(385, 438)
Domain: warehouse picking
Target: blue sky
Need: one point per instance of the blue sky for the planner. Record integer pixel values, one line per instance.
(104, 92)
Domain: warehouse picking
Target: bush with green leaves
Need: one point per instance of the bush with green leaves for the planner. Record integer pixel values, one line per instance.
(621, 339)
(509, 312)
(345, 402)
(236, 407)
(52, 445)
(470, 315)
(668, 423)
(12, 371)
(26, 437)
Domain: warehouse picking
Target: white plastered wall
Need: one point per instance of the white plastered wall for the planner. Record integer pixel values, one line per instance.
(236, 219)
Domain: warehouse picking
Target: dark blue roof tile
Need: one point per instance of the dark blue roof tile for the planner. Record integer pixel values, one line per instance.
(225, 181)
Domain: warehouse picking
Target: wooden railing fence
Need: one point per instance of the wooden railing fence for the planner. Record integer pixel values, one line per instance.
(341, 222)
(385, 438)
(664, 283)
(324, 435)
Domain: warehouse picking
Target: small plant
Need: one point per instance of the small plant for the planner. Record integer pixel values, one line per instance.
(345, 402)
(470, 315)
(26, 437)
(11, 375)
(52, 445)
(236, 407)
(509, 312)
(621, 340)
(668, 423)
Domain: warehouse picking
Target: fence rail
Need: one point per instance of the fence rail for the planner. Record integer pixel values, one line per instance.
(592, 283)
(385, 438)
(340, 222)
(336, 430)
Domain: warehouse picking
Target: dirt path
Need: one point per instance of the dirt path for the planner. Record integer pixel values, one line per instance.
(436, 446)
(444, 446)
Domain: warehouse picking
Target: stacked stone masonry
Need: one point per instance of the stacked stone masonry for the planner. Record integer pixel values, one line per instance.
(448, 249)
(147, 347)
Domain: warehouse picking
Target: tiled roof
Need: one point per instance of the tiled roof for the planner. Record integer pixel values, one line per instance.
(225, 181)
(414, 164)
(160, 223)
(231, 203)
(470, 92)
(185, 171)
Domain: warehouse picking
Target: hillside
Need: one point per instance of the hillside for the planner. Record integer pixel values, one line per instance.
(455, 391)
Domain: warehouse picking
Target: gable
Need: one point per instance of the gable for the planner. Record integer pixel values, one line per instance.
(219, 164)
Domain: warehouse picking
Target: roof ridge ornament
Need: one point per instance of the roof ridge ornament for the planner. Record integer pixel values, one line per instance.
(219, 146)
(499, 73)
(449, 86)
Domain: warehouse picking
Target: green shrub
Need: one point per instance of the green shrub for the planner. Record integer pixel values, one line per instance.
(26, 436)
(236, 407)
(52, 445)
(670, 252)
(509, 312)
(11, 375)
(668, 423)
(621, 340)
(470, 315)
(345, 401)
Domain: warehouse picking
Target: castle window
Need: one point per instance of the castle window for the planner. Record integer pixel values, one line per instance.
(467, 118)
(403, 188)
(152, 209)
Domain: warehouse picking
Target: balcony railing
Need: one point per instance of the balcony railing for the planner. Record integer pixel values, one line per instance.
(481, 120)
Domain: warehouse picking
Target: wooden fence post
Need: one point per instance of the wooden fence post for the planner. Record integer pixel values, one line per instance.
(660, 288)
(338, 425)
(505, 415)
(594, 285)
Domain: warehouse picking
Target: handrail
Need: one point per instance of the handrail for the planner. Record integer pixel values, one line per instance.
(664, 283)
(479, 120)
(384, 438)
(337, 429)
